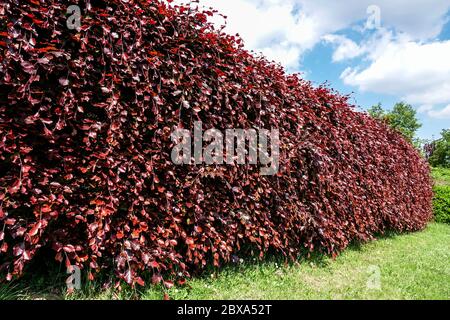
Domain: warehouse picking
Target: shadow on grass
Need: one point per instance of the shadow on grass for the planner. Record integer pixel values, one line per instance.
(389, 234)
(316, 259)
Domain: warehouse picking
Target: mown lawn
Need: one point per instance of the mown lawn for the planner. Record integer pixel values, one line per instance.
(410, 266)
(441, 176)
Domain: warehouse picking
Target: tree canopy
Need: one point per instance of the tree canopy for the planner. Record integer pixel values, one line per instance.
(440, 151)
(403, 118)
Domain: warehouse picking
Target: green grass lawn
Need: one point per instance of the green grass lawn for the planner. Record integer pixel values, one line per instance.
(441, 176)
(410, 266)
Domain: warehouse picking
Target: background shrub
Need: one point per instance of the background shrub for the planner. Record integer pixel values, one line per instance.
(85, 168)
(438, 151)
(441, 204)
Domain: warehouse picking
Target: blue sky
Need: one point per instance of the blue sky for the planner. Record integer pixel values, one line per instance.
(319, 67)
(376, 50)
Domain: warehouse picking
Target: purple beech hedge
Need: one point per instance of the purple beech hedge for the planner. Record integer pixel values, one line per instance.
(85, 169)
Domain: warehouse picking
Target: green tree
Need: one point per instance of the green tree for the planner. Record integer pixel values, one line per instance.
(402, 118)
(440, 155)
(377, 112)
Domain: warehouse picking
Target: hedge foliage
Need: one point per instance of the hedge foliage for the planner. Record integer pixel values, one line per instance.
(85, 168)
(441, 204)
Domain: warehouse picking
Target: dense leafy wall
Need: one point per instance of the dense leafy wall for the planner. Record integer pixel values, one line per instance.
(85, 168)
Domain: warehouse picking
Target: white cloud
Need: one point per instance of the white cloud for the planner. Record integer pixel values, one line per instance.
(285, 29)
(272, 27)
(443, 113)
(420, 19)
(419, 73)
(425, 108)
(402, 58)
(345, 48)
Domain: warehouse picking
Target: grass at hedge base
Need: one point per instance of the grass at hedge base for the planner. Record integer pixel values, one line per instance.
(412, 266)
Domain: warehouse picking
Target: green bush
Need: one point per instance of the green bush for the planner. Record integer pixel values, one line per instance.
(441, 204)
